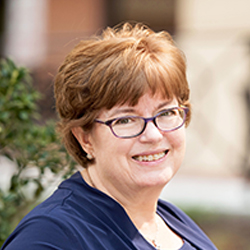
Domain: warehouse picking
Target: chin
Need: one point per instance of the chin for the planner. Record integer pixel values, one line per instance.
(156, 179)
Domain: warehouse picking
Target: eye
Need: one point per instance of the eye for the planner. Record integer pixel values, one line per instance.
(169, 112)
(123, 121)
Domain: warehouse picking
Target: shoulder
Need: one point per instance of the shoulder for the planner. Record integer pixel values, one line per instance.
(176, 216)
(41, 231)
(172, 210)
(52, 223)
(184, 225)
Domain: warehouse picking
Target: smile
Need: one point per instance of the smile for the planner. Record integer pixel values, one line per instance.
(148, 158)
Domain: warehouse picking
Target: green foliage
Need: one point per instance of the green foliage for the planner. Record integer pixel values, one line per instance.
(26, 143)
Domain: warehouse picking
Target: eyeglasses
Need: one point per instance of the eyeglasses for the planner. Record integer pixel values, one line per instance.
(132, 126)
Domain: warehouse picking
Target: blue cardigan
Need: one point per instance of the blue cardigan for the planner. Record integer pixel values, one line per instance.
(79, 217)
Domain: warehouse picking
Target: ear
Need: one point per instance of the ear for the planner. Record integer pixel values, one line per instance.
(83, 139)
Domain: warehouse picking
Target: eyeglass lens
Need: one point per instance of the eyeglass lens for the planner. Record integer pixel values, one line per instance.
(130, 126)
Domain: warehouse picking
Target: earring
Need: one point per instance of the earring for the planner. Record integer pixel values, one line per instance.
(89, 156)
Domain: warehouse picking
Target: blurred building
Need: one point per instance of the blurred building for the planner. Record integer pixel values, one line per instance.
(38, 34)
(215, 36)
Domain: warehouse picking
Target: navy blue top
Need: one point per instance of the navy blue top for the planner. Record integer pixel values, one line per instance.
(79, 217)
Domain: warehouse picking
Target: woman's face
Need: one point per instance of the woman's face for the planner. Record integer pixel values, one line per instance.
(117, 161)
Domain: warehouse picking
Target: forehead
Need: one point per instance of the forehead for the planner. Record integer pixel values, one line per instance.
(147, 105)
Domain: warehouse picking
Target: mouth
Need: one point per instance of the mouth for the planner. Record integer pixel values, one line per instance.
(150, 158)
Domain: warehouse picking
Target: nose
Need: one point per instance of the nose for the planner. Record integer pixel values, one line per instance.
(151, 133)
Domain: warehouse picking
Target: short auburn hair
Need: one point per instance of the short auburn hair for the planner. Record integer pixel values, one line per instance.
(115, 68)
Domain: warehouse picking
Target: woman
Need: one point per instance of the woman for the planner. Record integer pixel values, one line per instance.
(123, 99)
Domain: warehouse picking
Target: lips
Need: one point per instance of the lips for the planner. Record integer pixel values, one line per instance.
(150, 157)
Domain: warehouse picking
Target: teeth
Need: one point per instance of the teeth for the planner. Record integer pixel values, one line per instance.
(153, 157)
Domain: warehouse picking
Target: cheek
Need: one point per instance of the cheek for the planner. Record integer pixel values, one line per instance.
(177, 139)
(108, 148)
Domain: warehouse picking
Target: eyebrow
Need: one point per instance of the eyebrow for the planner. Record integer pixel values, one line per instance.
(121, 111)
(131, 110)
(164, 104)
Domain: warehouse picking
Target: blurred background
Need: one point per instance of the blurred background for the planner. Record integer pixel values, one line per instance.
(213, 184)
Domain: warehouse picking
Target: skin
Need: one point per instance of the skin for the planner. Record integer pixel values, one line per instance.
(135, 184)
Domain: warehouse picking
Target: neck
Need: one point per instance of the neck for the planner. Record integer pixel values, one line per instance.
(140, 204)
(141, 209)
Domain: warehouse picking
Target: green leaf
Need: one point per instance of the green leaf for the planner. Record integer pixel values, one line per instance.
(25, 142)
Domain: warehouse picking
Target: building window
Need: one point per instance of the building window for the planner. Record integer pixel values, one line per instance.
(157, 14)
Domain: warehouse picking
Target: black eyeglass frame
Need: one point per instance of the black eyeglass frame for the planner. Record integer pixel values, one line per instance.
(146, 120)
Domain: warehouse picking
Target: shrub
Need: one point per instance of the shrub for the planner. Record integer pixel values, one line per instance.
(27, 144)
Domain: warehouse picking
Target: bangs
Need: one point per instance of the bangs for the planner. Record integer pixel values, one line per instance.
(127, 85)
